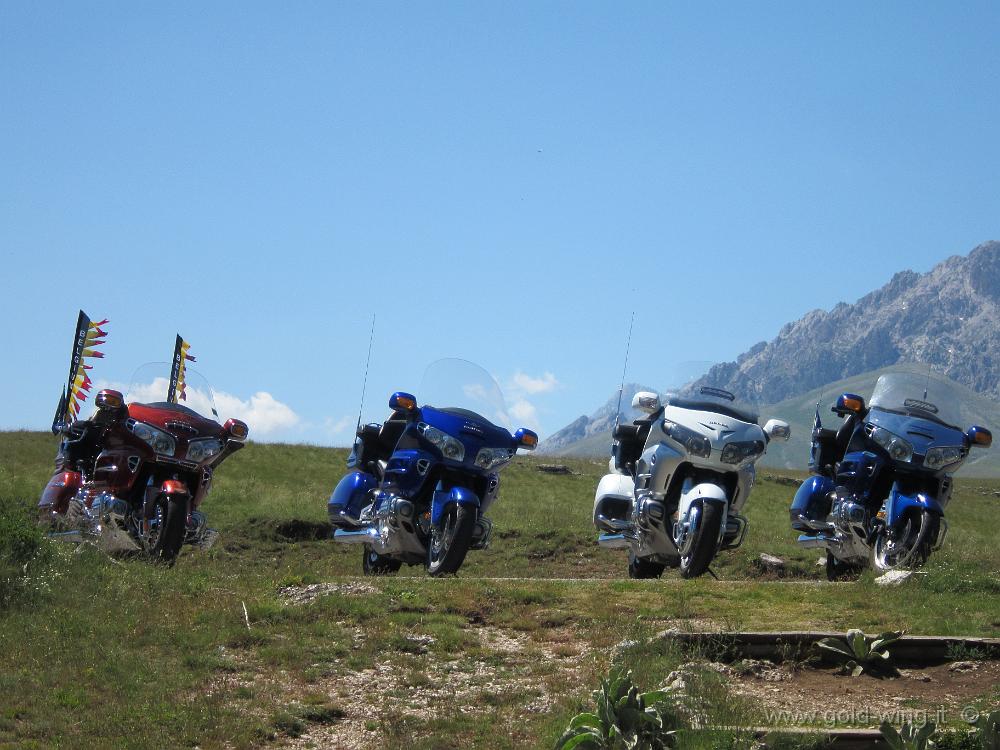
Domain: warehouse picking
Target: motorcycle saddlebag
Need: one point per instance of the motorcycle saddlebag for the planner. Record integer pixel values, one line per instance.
(812, 501)
(350, 497)
(59, 490)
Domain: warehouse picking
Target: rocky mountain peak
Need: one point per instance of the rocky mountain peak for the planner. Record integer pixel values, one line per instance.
(948, 317)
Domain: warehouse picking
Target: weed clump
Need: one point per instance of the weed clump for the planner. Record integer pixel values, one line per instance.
(25, 555)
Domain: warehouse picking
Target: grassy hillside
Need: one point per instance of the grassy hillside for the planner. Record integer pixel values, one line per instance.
(270, 639)
(799, 412)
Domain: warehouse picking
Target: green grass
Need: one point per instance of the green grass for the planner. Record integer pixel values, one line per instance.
(111, 653)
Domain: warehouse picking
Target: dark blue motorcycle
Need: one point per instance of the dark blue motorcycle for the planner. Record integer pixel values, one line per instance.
(422, 481)
(883, 480)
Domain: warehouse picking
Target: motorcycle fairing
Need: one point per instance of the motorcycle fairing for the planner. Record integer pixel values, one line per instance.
(923, 434)
(407, 469)
(858, 473)
(350, 496)
(443, 498)
(812, 500)
(657, 465)
(472, 430)
(899, 502)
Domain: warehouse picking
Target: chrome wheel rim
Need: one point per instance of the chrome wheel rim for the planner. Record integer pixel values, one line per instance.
(685, 532)
(441, 538)
(892, 552)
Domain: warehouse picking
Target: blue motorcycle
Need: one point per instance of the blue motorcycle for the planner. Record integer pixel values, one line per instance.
(883, 480)
(421, 482)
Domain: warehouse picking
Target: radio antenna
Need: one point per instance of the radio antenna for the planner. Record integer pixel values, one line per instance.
(364, 383)
(628, 345)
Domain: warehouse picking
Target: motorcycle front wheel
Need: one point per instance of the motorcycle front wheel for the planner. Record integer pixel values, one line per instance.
(450, 541)
(700, 548)
(171, 517)
(374, 564)
(908, 546)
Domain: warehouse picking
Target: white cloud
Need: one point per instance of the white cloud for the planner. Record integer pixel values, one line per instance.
(519, 387)
(525, 414)
(526, 384)
(263, 413)
(338, 426)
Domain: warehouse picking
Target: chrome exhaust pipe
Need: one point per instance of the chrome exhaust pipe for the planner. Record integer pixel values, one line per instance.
(818, 541)
(367, 535)
(613, 541)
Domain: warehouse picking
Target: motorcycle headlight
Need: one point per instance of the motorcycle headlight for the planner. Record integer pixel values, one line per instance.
(696, 445)
(487, 458)
(158, 440)
(202, 450)
(738, 452)
(899, 449)
(449, 446)
(937, 458)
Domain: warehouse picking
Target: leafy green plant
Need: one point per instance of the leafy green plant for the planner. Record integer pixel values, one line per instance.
(860, 653)
(989, 730)
(963, 652)
(624, 718)
(910, 737)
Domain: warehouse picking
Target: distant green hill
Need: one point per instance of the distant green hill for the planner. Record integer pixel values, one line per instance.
(800, 410)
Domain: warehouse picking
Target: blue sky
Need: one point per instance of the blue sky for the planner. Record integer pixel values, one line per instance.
(503, 182)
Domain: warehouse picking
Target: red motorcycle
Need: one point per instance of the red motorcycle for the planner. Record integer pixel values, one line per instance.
(133, 477)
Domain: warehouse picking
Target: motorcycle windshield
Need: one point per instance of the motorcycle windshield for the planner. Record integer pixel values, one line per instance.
(924, 396)
(718, 400)
(151, 385)
(458, 385)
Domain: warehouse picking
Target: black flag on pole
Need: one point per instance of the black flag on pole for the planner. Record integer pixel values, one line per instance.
(86, 337)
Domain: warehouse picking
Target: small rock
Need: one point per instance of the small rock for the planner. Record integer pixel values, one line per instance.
(962, 666)
(675, 683)
(772, 563)
(893, 577)
(623, 646)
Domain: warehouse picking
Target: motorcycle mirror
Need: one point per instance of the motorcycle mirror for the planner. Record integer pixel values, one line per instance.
(646, 401)
(849, 402)
(236, 429)
(402, 401)
(526, 439)
(980, 436)
(777, 429)
(109, 399)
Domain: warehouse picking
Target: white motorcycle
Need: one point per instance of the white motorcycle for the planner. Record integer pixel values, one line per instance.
(679, 479)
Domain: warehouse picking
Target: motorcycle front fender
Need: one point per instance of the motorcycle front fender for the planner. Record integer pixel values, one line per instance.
(900, 502)
(443, 498)
(703, 491)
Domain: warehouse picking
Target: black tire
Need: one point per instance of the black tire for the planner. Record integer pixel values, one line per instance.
(374, 564)
(641, 567)
(919, 535)
(170, 536)
(448, 545)
(705, 541)
(837, 570)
